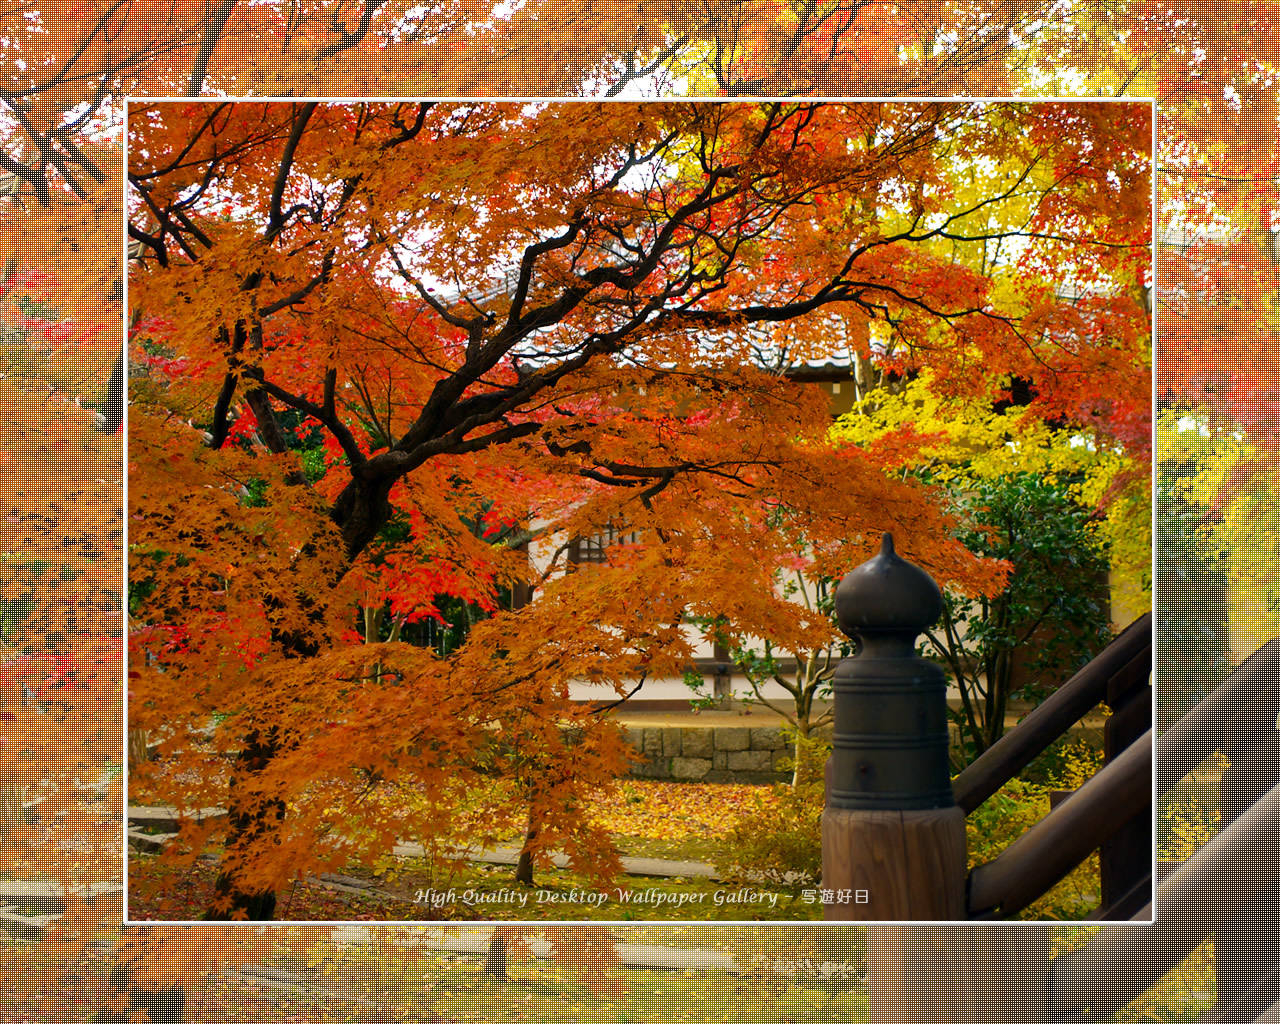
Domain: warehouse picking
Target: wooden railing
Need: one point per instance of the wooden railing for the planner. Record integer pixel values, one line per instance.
(1111, 812)
(1229, 889)
(1216, 890)
(1124, 657)
(1100, 810)
(1234, 716)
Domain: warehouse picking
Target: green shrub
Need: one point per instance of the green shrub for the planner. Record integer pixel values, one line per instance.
(1067, 763)
(779, 845)
(1050, 612)
(808, 758)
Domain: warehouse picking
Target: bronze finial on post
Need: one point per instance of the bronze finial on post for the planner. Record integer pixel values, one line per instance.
(893, 842)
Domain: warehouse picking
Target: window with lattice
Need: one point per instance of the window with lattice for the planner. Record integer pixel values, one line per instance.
(594, 549)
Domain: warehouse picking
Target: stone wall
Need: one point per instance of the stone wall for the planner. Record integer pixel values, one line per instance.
(709, 754)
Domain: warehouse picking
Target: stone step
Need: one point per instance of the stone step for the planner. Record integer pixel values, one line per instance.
(20, 926)
(146, 842)
(167, 819)
(51, 897)
(630, 865)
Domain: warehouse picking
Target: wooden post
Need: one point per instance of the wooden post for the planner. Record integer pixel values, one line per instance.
(958, 974)
(894, 865)
(893, 840)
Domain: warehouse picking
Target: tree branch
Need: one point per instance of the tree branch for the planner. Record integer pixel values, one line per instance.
(325, 414)
(214, 25)
(346, 40)
(220, 427)
(277, 220)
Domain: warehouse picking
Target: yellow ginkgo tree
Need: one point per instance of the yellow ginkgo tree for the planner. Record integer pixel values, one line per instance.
(1064, 506)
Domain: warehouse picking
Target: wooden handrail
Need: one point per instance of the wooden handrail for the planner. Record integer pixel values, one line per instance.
(1219, 882)
(1066, 706)
(1255, 1004)
(1269, 1016)
(1053, 846)
(1230, 710)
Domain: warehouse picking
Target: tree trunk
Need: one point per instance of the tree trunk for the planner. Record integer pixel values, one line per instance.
(524, 865)
(10, 806)
(495, 960)
(998, 698)
(138, 746)
(162, 1006)
(245, 827)
(805, 765)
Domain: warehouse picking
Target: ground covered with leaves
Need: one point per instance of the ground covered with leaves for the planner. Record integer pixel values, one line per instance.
(701, 823)
(672, 821)
(423, 986)
(472, 892)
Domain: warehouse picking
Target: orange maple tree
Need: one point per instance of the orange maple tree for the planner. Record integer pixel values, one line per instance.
(1208, 64)
(323, 277)
(744, 48)
(60, 801)
(61, 488)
